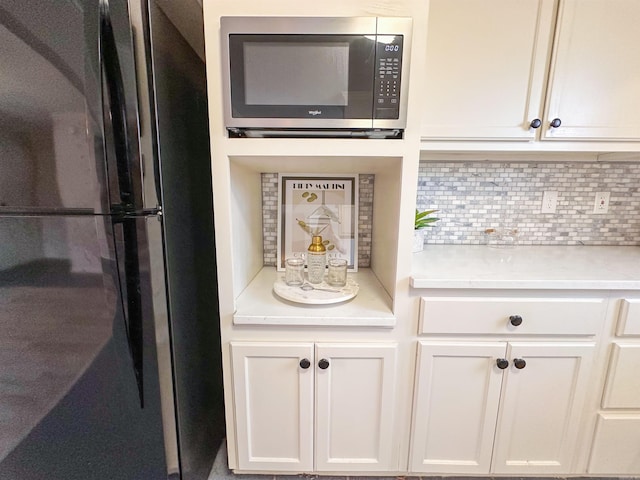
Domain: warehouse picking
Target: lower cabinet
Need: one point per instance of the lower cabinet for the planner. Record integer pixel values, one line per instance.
(499, 407)
(616, 443)
(304, 407)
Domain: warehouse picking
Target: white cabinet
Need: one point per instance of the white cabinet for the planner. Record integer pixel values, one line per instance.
(615, 447)
(541, 407)
(511, 315)
(492, 69)
(623, 383)
(456, 406)
(307, 407)
(274, 398)
(485, 68)
(500, 407)
(616, 443)
(594, 76)
(629, 317)
(502, 383)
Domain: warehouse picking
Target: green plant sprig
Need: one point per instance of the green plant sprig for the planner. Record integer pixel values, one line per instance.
(424, 220)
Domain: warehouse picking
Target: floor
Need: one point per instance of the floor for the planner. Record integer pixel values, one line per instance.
(221, 472)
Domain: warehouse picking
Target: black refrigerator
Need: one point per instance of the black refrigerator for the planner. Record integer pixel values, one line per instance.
(109, 330)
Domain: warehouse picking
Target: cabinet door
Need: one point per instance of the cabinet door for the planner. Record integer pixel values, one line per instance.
(273, 397)
(355, 407)
(485, 68)
(593, 85)
(541, 407)
(616, 445)
(623, 382)
(456, 406)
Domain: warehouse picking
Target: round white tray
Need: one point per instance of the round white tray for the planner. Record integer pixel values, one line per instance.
(316, 297)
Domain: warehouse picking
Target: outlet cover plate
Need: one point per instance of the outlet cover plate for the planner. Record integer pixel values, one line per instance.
(549, 202)
(601, 203)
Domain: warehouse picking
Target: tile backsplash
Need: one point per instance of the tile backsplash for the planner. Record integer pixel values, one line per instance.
(474, 196)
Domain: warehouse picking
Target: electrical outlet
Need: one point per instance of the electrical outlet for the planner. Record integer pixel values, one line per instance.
(549, 202)
(601, 204)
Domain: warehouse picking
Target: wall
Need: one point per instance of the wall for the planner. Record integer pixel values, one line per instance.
(474, 196)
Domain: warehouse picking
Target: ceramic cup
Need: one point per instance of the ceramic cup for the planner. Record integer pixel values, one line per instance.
(294, 271)
(337, 272)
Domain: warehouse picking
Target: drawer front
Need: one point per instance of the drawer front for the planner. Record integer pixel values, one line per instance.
(496, 316)
(629, 317)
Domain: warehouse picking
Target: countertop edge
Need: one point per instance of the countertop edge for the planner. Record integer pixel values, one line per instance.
(588, 268)
(434, 284)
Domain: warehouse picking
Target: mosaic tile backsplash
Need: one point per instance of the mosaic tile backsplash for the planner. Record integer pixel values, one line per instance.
(475, 196)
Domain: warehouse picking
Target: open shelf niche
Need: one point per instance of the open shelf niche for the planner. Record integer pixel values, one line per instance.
(255, 302)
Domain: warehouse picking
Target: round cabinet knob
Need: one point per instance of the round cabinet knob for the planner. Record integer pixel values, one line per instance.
(305, 363)
(323, 364)
(515, 320)
(535, 123)
(502, 363)
(555, 123)
(519, 363)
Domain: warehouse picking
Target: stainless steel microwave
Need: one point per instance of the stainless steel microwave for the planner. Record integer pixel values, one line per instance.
(309, 76)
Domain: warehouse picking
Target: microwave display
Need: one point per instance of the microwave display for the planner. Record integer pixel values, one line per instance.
(314, 73)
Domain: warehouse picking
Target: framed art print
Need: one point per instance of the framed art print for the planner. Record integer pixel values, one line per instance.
(325, 205)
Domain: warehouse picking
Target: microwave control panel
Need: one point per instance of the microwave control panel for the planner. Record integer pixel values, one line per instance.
(387, 80)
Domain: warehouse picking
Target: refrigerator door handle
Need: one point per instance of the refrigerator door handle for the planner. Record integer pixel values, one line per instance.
(120, 212)
(134, 300)
(117, 107)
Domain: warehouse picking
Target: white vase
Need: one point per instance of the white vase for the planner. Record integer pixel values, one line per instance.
(418, 240)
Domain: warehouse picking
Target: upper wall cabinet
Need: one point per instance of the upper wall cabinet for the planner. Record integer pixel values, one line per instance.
(485, 68)
(494, 70)
(594, 81)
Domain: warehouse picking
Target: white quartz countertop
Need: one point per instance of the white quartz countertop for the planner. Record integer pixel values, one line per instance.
(259, 305)
(527, 267)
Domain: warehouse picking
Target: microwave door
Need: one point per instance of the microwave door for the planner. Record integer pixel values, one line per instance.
(301, 81)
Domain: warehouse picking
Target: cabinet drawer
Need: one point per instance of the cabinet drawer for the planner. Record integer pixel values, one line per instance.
(629, 317)
(623, 382)
(547, 316)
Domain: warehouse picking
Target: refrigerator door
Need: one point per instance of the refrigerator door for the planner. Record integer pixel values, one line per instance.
(51, 154)
(52, 120)
(69, 398)
(133, 189)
